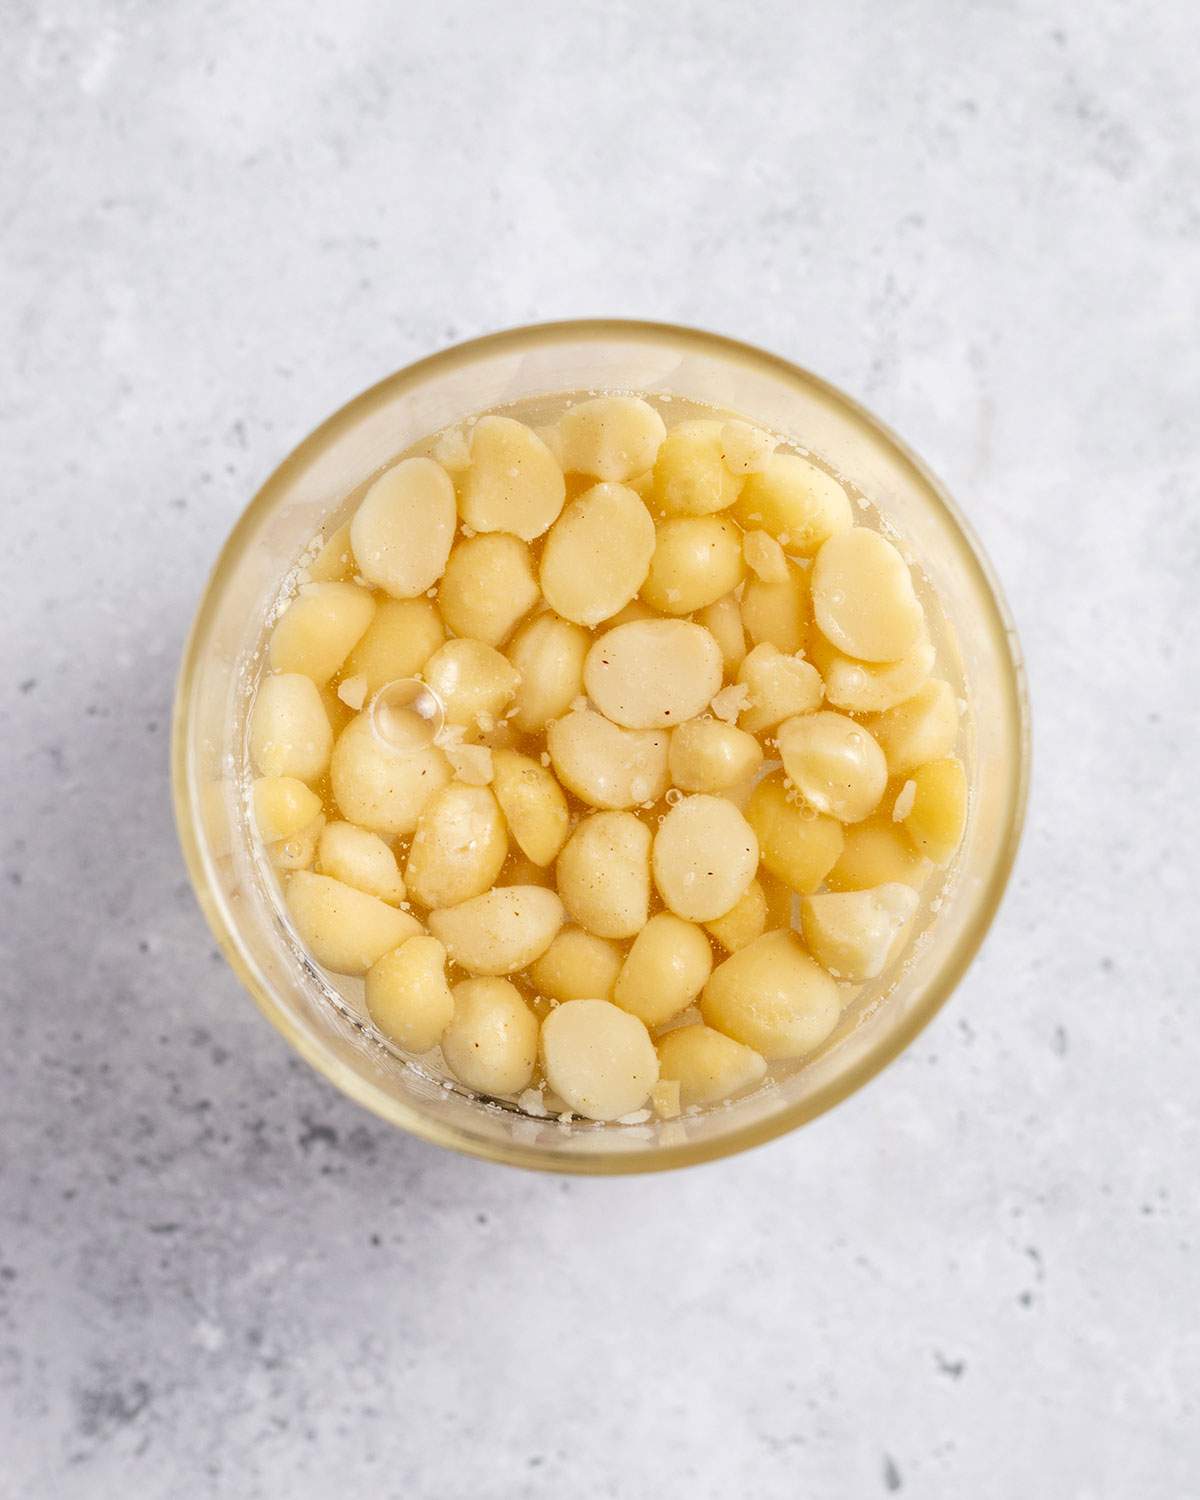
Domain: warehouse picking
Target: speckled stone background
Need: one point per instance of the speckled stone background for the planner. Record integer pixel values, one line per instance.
(217, 1276)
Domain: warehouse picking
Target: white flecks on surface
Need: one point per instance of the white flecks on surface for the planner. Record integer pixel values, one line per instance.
(218, 226)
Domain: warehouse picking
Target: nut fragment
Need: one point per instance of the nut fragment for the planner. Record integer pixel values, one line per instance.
(598, 1059)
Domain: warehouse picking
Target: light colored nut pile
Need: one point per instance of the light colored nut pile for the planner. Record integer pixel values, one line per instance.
(510, 751)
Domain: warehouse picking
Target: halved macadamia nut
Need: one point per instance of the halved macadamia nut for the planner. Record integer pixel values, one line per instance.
(863, 596)
(345, 929)
(488, 587)
(607, 766)
(696, 560)
(653, 674)
(598, 1059)
(597, 555)
(665, 970)
(514, 482)
(501, 931)
(835, 764)
(402, 531)
(577, 965)
(707, 1065)
(407, 996)
(604, 874)
(289, 728)
(798, 844)
(772, 996)
(705, 855)
(799, 504)
(611, 437)
(490, 1042)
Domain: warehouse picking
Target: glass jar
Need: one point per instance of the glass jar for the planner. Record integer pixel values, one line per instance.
(224, 653)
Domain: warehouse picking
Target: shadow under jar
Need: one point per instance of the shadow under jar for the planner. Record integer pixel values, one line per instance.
(977, 654)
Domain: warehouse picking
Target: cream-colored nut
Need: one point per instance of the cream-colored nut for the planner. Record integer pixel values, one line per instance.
(778, 613)
(501, 931)
(357, 857)
(283, 806)
(696, 560)
(474, 682)
(709, 756)
(938, 815)
(402, 531)
(352, 691)
(744, 921)
(876, 852)
(922, 728)
(863, 597)
(548, 653)
(653, 674)
(835, 764)
(289, 728)
(607, 766)
(344, 929)
(745, 449)
(723, 620)
(665, 970)
(380, 788)
(407, 995)
(488, 587)
(399, 641)
(798, 845)
(604, 874)
(765, 557)
(690, 477)
(533, 805)
(459, 846)
(870, 687)
(514, 483)
(854, 933)
(577, 966)
(334, 563)
(795, 501)
(705, 855)
(298, 850)
(611, 437)
(598, 1059)
(773, 997)
(598, 554)
(707, 1065)
(319, 628)
(491, 1042)
(778, 687)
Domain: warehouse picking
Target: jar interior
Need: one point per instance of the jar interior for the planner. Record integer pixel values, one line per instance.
(324, 476)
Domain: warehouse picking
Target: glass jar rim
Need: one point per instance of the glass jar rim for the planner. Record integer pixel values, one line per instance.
(409, 1116)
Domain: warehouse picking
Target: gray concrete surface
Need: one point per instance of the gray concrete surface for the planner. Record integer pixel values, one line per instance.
(218, 1277)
